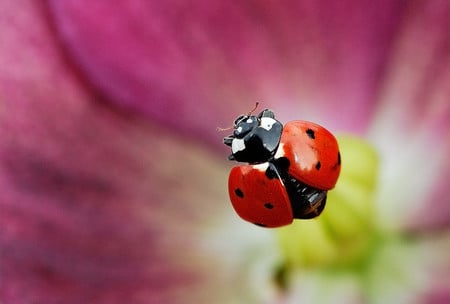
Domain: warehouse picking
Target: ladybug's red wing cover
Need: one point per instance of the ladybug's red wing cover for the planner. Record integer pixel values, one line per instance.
(257, 198)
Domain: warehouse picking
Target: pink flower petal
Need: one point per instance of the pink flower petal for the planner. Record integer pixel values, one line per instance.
(412, 126)
(96, 206)
(438, 263)
(194, 65)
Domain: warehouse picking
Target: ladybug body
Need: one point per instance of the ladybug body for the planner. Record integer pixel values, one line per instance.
(289, 170)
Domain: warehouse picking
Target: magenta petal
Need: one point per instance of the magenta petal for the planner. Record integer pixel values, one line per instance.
(411, 128)
(97, 206)
(196, 65)
(88, 212)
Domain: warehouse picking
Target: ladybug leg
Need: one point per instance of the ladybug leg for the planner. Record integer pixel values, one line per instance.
(316, 205)
(228, 140)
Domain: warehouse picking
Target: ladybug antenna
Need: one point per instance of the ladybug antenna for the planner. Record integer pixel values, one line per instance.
(254, 109)
(219, 129)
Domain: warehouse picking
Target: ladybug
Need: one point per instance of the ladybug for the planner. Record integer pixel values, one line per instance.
(288, 169)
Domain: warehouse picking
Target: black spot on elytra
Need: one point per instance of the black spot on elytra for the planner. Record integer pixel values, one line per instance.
(268, 205)
(338, 163)
(318, 165)
(311, 134)
(260, 225)
(239, 192)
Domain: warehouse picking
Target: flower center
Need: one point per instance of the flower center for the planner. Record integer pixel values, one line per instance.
(343, 234)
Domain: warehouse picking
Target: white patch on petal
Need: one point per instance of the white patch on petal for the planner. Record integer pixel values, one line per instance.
(267, 123)
(237, 145)
(409, 168)
(307, 286)
(248, 255)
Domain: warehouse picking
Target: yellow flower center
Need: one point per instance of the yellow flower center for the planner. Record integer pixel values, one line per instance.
(344, 232)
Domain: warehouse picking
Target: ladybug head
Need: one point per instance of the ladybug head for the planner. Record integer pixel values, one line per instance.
(255, 139)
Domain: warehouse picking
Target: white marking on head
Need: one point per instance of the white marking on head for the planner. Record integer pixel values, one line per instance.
(261, 167)
(237, 145)
(280, 151)
(249, 121)
(267, 123)
(239, 129)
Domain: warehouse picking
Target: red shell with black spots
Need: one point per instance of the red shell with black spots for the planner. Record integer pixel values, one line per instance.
(258, 198)
(313, 153)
